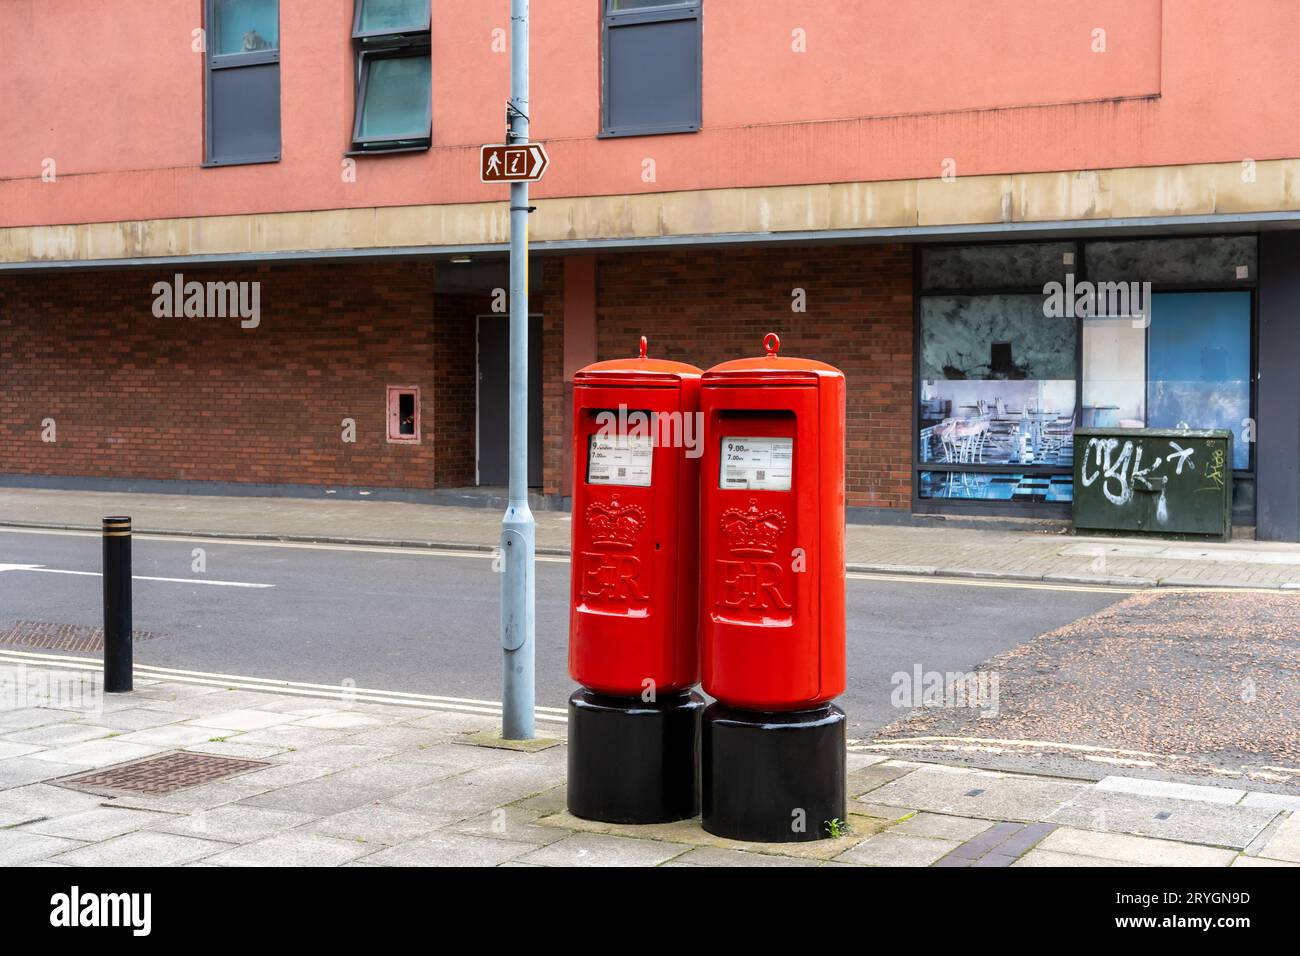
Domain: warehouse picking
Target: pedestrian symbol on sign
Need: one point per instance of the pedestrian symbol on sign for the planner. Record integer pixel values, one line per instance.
(519, 163)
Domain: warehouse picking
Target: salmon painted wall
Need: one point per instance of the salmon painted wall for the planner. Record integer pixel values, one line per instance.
(112, 92)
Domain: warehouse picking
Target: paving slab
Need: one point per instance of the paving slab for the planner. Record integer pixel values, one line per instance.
(980, 794)
(169, 736)
(603, 849)
(396, 735)
(224, 748)
(862, 782)
(1166, 788)
(1133, 849)
(1040, 857)
(392, 774)
(283, 775)
(23, 846)
(234, 824)
(445, 848)
(98, 753)
(239, 721)
(317, 797)
(1261, 861)
(24, 718)
(284, 736)
(898, 849)
(297, 848)
(11, 748)
(1285, 842)
(515, 822)
(194, 799)
(1278, 801)
(716, 856)
(148, 848)
(21, 771)
(59, 735)
(337, 756)
(97, 823)
(456, 797)
(47, 801)
(1189, 821)
(690, 832)
(941, 826)
(138, 718)
(377, 823)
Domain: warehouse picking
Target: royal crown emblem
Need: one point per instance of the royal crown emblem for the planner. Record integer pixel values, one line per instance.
(750, 531)
(614, 528)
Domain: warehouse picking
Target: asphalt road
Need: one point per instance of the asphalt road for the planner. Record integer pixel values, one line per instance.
(427, 622)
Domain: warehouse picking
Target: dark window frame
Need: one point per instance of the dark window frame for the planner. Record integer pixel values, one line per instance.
(973, 506)
(665, 12)
(369, 46)
(213, 63)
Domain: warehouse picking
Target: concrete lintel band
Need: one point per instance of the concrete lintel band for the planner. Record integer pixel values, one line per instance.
(1209, 195)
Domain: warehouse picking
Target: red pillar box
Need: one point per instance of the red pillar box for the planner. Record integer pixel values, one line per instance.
(772, 597)
(634, 724)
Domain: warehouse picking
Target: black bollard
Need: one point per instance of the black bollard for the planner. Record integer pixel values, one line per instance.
(117, 605)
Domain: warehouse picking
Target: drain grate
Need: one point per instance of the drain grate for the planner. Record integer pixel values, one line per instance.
(62, 637)
(157, 776)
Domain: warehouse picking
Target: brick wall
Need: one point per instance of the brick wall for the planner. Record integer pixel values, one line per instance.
(137, 396)
(707, 306)
(557, 394)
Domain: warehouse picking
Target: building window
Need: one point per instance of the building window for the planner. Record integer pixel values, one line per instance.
(1188, 367)
(996, 399)
(652, 67)
(404, 413)
(242, 122)
(394, 76)
(1017, 343)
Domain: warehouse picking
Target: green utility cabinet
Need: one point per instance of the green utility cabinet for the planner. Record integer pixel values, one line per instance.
(1174, 483)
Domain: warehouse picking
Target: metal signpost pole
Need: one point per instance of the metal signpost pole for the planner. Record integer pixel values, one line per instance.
(518, 530)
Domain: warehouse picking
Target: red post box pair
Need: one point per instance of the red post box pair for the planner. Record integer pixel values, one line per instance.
(757, 499)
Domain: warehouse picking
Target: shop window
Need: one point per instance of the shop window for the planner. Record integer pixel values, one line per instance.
(652, 67)
(1188, 367)
(997, 388)
(403, 413)
(394, 82)
(1020, 342)
(242, 119)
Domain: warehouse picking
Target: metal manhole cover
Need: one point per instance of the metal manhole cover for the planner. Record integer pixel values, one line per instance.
(157, 776)
(62, 637)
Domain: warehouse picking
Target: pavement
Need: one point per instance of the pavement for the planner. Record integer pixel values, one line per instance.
(1025, 551)
(332, 779)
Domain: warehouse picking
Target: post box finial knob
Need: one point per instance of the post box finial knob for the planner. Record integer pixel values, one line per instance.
(643, 346)
(772, 343)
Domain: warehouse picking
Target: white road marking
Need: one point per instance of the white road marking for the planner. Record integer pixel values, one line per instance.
(135, 577)
(468, 552)
(990, 583)
(490, 708)
(921, 743)
(480, 555)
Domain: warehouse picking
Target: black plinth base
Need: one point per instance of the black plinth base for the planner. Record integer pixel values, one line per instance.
(773, 777)
(632, 761)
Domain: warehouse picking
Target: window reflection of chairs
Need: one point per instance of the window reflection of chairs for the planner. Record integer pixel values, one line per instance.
(962, 440)
(1057, 439)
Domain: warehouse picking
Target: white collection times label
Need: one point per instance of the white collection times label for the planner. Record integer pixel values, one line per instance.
(619, 460)
(756, 464)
